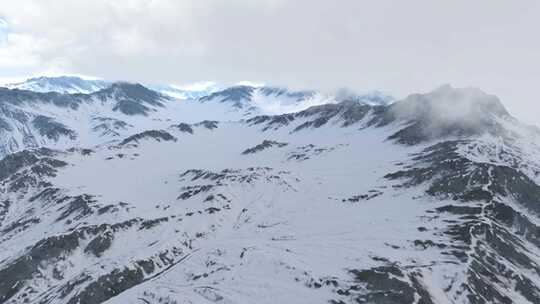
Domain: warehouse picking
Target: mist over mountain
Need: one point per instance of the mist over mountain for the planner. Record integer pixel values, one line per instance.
(258, 194)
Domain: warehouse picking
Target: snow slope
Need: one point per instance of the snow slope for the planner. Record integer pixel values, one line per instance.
(339, 203)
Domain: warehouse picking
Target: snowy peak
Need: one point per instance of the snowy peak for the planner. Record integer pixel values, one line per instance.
(61, 84)
(275, 100)
(268, 99)
(447, 111)
(33, 119)
(238, 96)
(131, 98)
(132, 91)
(73, 85)
(448, 103)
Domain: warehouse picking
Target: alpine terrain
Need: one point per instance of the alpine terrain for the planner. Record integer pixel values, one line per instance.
(116, 193)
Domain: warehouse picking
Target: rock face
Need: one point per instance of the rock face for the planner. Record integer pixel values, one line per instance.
(158, 135)
(131, 99)
(339, 203)
(32, 119)
(263, 146)
(235, 95)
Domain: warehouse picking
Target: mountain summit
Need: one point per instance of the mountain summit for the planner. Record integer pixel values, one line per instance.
(60, 84)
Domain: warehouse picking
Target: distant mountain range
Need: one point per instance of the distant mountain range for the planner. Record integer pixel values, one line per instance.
(290, 100)
(60, 84)
(100, 111)
(73, 84)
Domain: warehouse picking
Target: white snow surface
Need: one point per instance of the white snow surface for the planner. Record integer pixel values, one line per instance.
(272, 222)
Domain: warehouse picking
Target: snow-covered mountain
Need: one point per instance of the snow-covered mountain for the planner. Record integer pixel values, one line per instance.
(263, 99)
(74, 84)
(31, 119)
(431, 199)
(275, 100)
(182, 93)
(60, 84)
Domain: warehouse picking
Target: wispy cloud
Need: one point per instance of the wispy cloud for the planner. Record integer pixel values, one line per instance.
(3, 31)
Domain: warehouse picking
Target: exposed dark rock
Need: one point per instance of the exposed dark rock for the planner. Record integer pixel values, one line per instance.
(202, 174)
(110, 126)
(184, 127)
(271, 122)
(46, 126)
(208, 124)
(158, 135)
(16, 161)
(238, 96)
(28, 168)
(190, 191)
(384, 284)
(108, 286)
(20, 97)
(100, 243)
(451, 175)
(130, 107)
(147, 265)
(47, 194)
(25, 267)
(131, 99)
(363, 197)
(241, 96)
(148, 224)
(20, 225)
(487, 232)
(68, 288)
(263, 146)
(346, 113)
(283, 92)
(78, 207)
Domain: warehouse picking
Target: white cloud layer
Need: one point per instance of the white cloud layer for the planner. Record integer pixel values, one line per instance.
(397, 46)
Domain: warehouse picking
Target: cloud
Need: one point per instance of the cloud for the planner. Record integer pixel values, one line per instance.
(397, 46)
(4, 31)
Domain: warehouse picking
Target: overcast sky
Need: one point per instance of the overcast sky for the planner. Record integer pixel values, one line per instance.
(399, 47)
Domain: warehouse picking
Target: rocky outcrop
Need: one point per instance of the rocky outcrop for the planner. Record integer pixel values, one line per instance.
(263, 146)
(158, 135)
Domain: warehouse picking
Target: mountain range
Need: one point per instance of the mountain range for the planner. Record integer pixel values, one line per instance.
(30, 119)
(128, 195)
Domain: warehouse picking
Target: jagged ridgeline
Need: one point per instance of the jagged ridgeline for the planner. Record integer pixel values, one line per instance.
(126, 195)
(67, 112)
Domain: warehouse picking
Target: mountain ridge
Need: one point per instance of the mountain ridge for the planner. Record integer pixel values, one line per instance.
(112, 111)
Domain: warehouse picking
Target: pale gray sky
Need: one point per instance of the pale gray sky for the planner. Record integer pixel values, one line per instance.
(396, 46)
